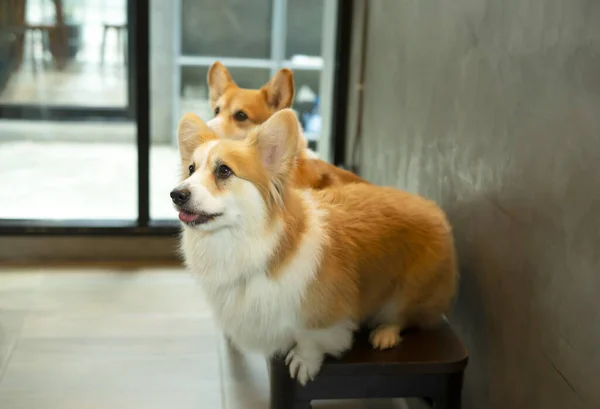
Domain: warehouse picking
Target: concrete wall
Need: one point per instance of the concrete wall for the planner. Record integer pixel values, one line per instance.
(493, 109)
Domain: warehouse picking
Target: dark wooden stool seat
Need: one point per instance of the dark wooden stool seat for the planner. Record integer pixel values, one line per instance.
(427, 364)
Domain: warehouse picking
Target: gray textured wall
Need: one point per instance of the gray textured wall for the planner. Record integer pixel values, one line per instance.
(492, 107)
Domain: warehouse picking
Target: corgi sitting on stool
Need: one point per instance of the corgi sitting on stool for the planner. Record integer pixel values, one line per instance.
(237, 110)
(297, 271)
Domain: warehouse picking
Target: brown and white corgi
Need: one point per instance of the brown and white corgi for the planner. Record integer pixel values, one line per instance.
(296, 271)
(237, 110)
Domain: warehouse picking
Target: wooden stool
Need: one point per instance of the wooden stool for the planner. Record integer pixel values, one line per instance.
(427, 364)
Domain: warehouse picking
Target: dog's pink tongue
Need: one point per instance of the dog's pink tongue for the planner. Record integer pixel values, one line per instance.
(188, 217)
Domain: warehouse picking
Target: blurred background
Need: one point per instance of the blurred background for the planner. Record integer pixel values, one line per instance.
(95, 307)
(69, 81)
(491, 108)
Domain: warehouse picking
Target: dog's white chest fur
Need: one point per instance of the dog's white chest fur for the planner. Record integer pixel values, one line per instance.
(255, 310)
(260, 314)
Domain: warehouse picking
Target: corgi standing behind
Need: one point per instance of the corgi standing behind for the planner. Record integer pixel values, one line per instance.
(297, 271)
(237, 110)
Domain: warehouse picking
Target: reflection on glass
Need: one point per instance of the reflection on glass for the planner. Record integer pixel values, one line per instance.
(65, 166)
(304, 28)
(233, 28)
(306, 101)
(304, 22)
(58, 55)
(242, 34)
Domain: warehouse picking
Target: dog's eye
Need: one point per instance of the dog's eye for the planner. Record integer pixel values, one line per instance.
(223, 172)
(240, 116)
(192, 169)
(217, 110)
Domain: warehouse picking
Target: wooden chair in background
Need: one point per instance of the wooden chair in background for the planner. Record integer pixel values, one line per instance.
(121, 36)
(15, 22)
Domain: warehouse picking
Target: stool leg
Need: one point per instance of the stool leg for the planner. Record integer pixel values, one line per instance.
(448, 403)
(103, 46)
(283, 387)
(30, 41)
(119, 42)
(125, 48)
(450, 394)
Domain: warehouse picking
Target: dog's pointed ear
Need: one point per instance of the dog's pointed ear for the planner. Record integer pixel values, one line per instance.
(192, 132)
(279, 91)
(218, 80)
(276, 141)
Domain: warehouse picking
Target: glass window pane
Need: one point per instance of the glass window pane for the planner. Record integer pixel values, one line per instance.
(60, 156)
(85, 69)
(306, 101)
(304, 28)
(233, 28)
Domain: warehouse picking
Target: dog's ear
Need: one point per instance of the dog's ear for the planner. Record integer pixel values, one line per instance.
(279, 91)
(276, 141)
(192, 132)
(218, 80)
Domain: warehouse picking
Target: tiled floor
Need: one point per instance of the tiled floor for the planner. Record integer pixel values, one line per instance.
(129, 338)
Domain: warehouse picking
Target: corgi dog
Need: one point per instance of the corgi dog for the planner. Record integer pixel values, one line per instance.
(237, 110)
(297, 271)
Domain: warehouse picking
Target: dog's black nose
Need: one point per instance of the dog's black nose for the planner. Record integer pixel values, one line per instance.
(180, 196)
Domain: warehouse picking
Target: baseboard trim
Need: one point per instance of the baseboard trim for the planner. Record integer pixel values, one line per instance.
(35, 250)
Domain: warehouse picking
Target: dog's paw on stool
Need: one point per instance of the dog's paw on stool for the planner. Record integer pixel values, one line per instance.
(303, 365)
(385, 337)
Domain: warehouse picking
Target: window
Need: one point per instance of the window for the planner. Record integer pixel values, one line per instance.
(88, 123)
(67, 138)
(253, 39)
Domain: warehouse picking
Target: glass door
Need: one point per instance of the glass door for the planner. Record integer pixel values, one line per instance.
(64, 59)
(253, 39)
(91, 92)
(68, 131)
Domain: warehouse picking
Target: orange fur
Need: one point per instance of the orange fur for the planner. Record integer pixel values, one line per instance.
(384, 244)
(259, 105)
(308, 265)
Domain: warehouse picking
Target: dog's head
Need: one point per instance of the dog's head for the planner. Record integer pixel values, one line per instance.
(236, 110)
(234, 183)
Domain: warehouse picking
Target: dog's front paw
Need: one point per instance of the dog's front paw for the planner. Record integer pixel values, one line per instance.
(303, 365)
(385, 337)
